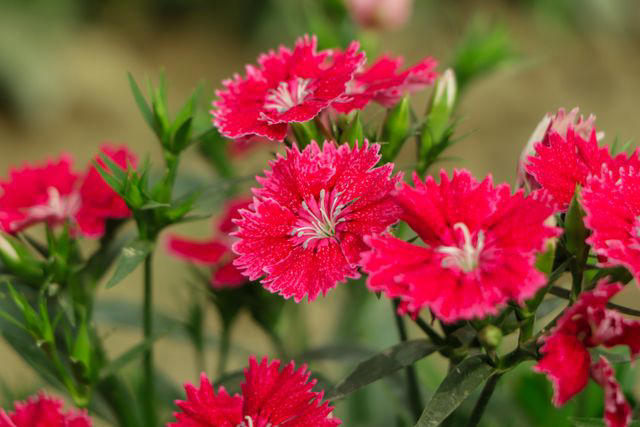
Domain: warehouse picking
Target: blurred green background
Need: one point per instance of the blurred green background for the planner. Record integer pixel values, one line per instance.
(63, 88)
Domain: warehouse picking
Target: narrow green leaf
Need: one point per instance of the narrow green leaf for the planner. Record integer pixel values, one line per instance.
(396, 129)
(131, 256)
(141, 102)
(152, 204)
(383, 364)
(182, 136)
(575, 229)
(454, 389)
(186, 112)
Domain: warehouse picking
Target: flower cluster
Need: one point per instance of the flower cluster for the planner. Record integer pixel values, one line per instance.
(43, 411)
(271, 396)
(53, 193)
(296, 85)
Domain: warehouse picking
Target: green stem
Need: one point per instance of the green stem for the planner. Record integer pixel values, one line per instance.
(431, 333)
(148, 382)
(119, 398)
(223, 350)
(483, 400)
(413, 390)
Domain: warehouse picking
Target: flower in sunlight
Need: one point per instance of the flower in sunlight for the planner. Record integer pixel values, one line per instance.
(480, 244)
(304, 231)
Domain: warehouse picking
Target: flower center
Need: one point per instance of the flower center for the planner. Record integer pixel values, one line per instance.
(465, 258)
(287, 95)
(57, 206)
(317, 220)
(249, 422)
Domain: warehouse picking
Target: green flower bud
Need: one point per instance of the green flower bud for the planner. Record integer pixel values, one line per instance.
(490, 337)
(18, 259)
(395, 129)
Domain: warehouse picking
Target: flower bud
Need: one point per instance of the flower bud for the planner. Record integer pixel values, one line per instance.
(380, 14)
(490, 337)
(395, 129)
(437, 126)
(18, 259)
(445, 91)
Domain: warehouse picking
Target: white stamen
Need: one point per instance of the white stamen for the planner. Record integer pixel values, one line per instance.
(287, 95)
(466, 257)
(320, 220)
(57, 206)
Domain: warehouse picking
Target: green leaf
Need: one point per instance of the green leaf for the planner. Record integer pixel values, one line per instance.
(131, 256)
(575, 230)
(182, 136)
(152, 204)
(454, 389)
(353, 132)
(141, 102)
(383, 364)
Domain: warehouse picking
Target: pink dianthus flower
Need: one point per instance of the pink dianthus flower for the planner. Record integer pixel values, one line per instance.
(270, 397)
(480, 246)
(612, 208)
(53, 193)
(566, 156)
(98, 201)
(304, 231)
(43, 411)
(287, 86)
(384, 83)
(566, 359)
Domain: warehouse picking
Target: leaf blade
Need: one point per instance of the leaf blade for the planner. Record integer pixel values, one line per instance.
(454, 389)
(383, 364)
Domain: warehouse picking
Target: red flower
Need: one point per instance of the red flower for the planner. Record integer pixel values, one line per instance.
(53, 193)
(612, 210)
(43, 411)
(558, 123)
(215, 252)
(270, 397)
(564, 160)
(566, 359)
(287, 86)
(39, 193)
(304, 231)
(98, 201)
(383, 83)
(480, 246)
